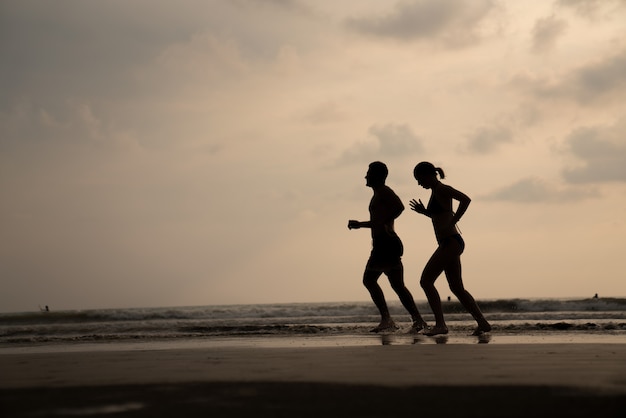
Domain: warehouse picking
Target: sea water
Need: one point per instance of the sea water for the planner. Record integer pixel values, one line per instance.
(589, 320)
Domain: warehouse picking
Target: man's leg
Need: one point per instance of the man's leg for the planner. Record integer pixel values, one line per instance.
(396, 279)
(370, 281)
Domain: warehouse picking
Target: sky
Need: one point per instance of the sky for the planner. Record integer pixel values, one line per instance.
(159, 153)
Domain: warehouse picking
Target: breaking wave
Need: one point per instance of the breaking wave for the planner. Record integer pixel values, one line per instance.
(599, 315)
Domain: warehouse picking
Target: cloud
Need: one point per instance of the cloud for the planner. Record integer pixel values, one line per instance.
(29, 128)
(111, 49)
(584, 7)
(327, 112)
(456, 22)
(535, 190)
(73, 49)
(204, 57)
(391, 140)
(487, 139)
(602, 151)
(590, 9)
(600, 80)
(546, 32)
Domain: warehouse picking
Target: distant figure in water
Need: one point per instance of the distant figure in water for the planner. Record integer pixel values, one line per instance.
(447, 257)
(595, 296)
(387, 249)
(44, 309)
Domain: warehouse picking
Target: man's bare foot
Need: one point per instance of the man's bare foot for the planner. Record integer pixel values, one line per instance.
(436, 330)
(481, 329)
(385, 326)
(418, 326)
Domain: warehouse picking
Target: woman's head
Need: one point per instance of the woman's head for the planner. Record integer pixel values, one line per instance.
(426, 174)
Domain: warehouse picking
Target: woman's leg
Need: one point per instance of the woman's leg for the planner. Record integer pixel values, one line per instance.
(455, 280)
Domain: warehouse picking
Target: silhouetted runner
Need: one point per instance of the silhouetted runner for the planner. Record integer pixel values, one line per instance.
(387, 249)
(447, 256)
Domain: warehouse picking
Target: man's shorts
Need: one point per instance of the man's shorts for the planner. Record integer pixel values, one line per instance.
(387, 250)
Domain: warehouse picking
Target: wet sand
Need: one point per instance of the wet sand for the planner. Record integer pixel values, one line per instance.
(447, 379)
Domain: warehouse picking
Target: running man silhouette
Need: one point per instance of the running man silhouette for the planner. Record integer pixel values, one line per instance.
(387, 249)
(447, 256)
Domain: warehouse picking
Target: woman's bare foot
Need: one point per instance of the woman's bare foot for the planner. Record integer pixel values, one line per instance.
(436, 330)
(385, 325)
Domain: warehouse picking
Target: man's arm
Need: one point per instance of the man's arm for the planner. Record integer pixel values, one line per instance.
(352, 224)
(392, 206)
(396, 207)
(387, 210)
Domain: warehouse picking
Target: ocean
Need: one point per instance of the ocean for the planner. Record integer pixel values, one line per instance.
(515, 320)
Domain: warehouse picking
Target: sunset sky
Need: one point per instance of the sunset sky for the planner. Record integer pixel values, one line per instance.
(169, 153)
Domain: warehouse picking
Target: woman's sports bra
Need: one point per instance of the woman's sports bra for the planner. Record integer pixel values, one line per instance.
(434, 207)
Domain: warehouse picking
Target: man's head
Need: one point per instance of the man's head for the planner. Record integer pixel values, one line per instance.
(376, 174)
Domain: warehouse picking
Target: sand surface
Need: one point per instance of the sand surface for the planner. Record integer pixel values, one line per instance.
(470, 380)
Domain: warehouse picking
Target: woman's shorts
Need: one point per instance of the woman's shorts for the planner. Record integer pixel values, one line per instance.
(456, 237)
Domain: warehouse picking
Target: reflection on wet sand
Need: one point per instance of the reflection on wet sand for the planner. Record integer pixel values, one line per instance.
(403, 339)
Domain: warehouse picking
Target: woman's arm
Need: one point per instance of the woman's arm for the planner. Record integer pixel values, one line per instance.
(462, 198)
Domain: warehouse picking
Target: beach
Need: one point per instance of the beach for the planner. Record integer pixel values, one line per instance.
(281, 378)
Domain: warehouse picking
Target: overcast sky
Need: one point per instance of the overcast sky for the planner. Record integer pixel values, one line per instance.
(168, 153)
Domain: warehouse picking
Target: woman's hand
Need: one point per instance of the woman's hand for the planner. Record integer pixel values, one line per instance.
(418, 206)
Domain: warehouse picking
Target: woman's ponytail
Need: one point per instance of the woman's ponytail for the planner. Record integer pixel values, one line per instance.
(427, 169)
